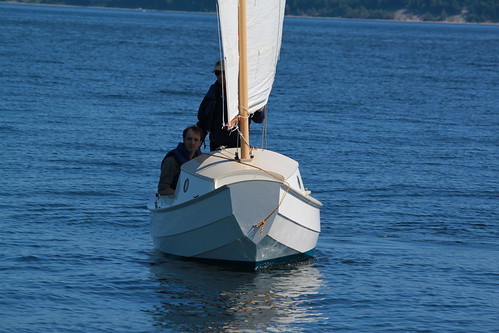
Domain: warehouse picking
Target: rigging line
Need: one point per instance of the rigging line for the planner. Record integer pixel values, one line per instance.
(250, 165)
(241, 116)
(264, 129)
(220, 55)
(241, 136)
(244, 108)
(261, 224)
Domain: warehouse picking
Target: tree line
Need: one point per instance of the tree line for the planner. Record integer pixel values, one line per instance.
(427, 10)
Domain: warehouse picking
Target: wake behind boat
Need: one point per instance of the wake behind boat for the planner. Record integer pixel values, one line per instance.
(253, 210)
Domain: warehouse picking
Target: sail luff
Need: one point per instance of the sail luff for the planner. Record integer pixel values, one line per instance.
(264, 22)
(243, 83)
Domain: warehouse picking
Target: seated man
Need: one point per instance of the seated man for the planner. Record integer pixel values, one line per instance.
(185, 151)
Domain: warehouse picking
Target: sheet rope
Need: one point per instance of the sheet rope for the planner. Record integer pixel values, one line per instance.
(260, 224)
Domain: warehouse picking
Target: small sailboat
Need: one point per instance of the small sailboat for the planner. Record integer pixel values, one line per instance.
(238, 205)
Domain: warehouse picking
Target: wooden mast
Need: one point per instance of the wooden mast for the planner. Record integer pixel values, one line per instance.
(243, 83)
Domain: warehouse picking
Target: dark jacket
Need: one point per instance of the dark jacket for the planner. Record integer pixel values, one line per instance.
(170, 166)
(211, 115)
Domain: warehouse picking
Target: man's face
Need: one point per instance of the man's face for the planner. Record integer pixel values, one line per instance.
(220, 77)
(192, 141)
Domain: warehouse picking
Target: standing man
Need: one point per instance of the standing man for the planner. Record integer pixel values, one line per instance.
(213, 111)
(185, 151)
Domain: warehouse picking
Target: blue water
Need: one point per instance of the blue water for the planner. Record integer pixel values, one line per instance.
(395, 125)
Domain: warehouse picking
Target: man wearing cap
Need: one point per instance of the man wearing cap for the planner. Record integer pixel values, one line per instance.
(213, 111)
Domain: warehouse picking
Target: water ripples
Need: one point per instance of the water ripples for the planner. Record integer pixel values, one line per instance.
(396, 137)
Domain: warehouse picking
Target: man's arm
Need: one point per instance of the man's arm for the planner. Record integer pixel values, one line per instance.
(259, 116)
(205, 111)
(169, 169)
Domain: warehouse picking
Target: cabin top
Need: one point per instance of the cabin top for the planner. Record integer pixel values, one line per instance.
(219, 164)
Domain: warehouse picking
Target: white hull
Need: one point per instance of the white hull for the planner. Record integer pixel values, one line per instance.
(216, 216)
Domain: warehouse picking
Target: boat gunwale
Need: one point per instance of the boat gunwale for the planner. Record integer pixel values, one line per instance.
(307, 198)
(191, 201)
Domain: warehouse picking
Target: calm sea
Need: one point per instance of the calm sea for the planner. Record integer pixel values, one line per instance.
(395, 125)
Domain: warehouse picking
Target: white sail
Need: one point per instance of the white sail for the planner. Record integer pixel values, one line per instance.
(264, 35)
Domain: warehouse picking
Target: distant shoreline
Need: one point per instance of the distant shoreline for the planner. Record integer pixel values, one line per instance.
(401, 17)
(392, 20)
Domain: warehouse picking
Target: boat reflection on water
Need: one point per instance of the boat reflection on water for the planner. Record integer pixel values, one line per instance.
(201, 297)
